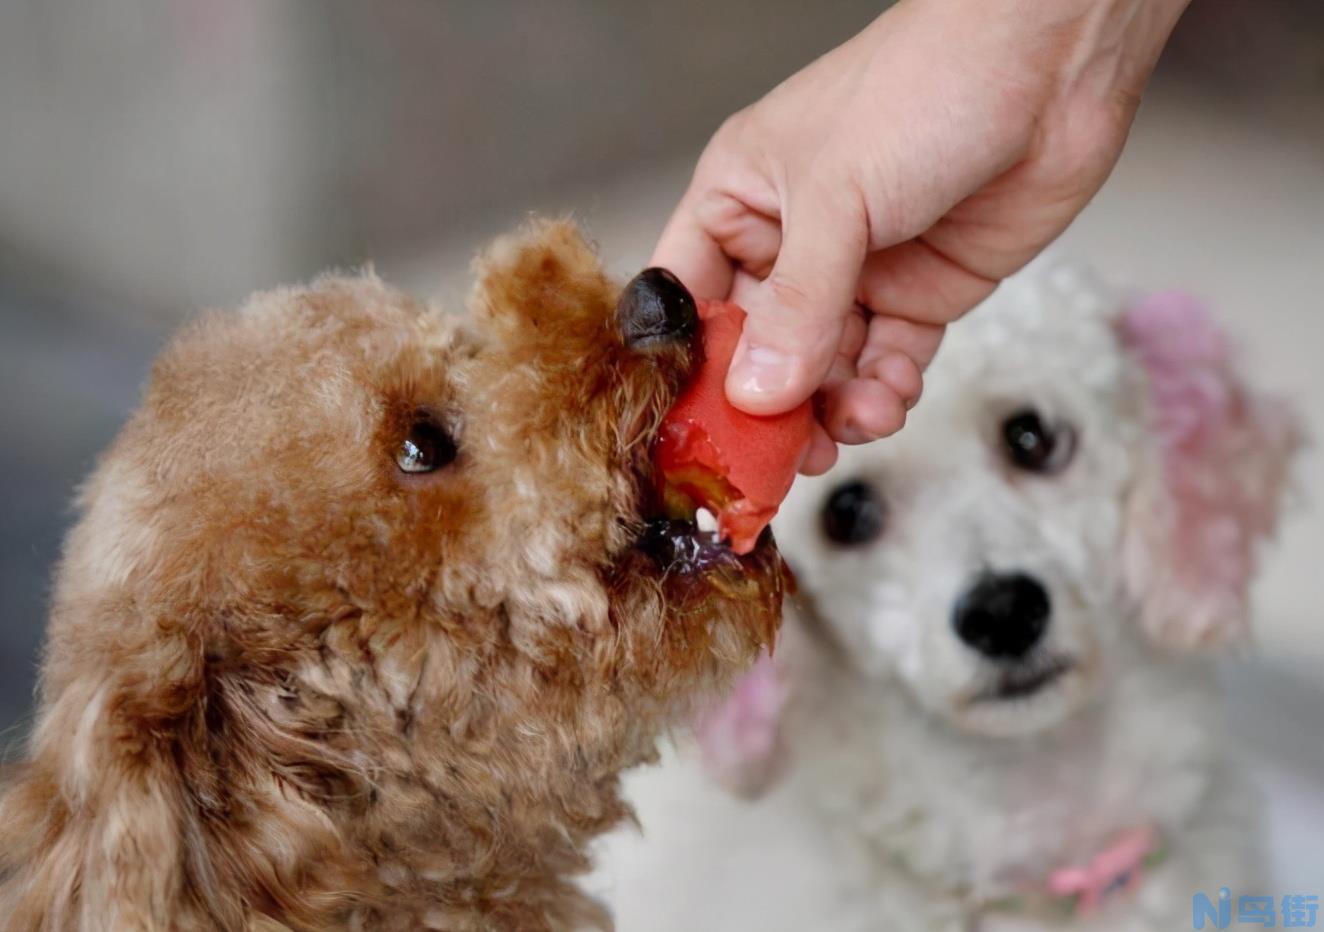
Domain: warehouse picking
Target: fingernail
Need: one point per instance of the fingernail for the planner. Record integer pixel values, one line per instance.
(762, 370)
(850, 434)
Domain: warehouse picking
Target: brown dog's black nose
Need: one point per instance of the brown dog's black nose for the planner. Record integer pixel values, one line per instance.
(655, 310)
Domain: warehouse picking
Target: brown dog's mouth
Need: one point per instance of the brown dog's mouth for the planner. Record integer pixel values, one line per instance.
(698, 560)
(681, 546)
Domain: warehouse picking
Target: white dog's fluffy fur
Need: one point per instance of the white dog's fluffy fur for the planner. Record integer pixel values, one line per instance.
(901, 792)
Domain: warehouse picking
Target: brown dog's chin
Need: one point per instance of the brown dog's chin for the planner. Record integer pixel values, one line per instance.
(700, 574)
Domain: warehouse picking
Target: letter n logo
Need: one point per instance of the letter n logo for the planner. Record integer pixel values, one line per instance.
(1205, 910)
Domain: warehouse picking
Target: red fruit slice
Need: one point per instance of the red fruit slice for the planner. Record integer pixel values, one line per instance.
(711, 454)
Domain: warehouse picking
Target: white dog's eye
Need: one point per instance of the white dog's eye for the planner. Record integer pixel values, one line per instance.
(1035, 446)
(853, 514)
(425, 448)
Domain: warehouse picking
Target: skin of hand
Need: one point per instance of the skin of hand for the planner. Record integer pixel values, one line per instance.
(884, 190)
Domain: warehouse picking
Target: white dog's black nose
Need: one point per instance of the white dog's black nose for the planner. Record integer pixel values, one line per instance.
(1003, 616)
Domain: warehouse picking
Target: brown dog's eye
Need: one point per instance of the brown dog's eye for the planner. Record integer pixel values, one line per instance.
(1035, 446)
(427, 447)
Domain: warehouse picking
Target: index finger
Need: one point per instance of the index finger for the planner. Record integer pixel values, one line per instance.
(688, 250)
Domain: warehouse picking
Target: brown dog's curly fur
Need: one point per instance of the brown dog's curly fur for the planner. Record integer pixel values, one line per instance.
(289, 686)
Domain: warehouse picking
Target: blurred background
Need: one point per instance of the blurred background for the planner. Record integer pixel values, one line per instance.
(157, 158)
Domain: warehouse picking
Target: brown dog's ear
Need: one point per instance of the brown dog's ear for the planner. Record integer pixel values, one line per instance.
(158, 797)
(1212, 486)
(740, 737)
(545, 286)
(94, 826)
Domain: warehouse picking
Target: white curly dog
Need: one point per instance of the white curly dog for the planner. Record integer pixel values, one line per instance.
(995, 706)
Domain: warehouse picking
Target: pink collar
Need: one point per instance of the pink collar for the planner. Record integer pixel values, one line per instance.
(1117, 868)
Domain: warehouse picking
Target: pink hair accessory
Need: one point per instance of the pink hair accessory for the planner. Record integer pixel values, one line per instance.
(1118, 868)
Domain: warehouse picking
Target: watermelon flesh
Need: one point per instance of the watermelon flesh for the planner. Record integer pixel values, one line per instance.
(710, 454)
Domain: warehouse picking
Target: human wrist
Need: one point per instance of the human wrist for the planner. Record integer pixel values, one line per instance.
(1110, 47)
(1110, 42)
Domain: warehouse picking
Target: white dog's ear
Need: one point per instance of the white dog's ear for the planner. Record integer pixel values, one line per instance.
(741, 737)
(1212, 484)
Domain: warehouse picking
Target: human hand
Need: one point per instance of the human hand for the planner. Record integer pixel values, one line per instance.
(884, 190)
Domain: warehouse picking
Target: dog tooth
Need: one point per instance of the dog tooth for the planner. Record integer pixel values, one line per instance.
(705, 521)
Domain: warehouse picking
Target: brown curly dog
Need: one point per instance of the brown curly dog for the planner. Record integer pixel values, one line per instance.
(356, 631)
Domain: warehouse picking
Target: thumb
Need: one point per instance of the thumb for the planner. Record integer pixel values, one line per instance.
(798, 313)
